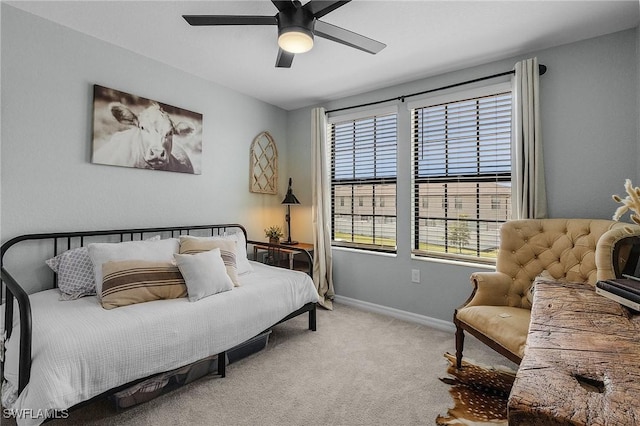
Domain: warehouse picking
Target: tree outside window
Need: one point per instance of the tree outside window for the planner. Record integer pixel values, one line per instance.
(459, 233)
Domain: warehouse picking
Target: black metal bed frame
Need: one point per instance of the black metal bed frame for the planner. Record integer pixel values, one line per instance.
(11, 290)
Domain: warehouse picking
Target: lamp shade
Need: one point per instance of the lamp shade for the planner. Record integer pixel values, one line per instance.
(290, 198)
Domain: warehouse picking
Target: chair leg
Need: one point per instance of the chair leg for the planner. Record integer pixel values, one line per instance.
(459, 345)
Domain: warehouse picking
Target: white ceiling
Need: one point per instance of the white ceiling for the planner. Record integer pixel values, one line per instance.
(423, 38)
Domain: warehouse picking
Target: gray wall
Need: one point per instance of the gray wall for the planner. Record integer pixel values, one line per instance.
(589, 98)
(48, 182)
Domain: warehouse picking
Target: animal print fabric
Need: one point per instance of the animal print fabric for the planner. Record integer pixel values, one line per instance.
(480, 394)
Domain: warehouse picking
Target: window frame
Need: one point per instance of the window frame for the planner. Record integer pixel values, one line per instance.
(364, 114)
(449, 201)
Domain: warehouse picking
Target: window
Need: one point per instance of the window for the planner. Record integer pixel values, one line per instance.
(461, 154)
(363, 165)
(495, 202)
(458, 202)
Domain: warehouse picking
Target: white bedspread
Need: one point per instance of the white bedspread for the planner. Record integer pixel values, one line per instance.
(81, 350)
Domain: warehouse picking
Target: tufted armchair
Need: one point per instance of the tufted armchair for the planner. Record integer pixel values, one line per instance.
(577, 250)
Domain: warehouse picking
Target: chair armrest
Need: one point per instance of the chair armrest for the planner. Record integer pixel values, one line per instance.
(611, 257)
(489, 289)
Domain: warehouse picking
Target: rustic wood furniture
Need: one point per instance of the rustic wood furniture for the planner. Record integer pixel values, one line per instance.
(581, 365)
(578, 250)
(276, 250)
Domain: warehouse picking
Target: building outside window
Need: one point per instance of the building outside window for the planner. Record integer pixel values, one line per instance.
(495, 202)
(363, 165)
(462, 156)
(458, 202)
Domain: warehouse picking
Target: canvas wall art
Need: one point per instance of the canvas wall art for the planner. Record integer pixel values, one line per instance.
(132, 131)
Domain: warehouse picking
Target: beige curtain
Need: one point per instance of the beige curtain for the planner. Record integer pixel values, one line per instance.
(322, 258)
(529, 200)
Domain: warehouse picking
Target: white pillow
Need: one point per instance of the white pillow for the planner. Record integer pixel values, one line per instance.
(242, 262)
(75, 272)
(204, 273)
(241, 252)
(100, 253)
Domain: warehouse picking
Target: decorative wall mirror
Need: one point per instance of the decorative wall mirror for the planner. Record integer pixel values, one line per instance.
(263, 168)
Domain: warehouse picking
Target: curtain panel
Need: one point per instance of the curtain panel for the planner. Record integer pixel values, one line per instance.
(321, 211)
(529, 200)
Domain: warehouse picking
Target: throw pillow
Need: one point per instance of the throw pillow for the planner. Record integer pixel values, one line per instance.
(75, 273)
(241, 252)
(242, 261)
(101, 253)
(204, 273)
(190, 245)
(128, 282)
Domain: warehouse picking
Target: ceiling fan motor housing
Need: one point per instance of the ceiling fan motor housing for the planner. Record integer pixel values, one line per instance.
(295, 30)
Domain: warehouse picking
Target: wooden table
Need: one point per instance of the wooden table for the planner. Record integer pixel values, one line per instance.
(581, 364)
(290, 250)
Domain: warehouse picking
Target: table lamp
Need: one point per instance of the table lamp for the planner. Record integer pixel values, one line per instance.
(289, 199)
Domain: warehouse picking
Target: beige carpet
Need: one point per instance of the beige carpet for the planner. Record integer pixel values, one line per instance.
(359, 368)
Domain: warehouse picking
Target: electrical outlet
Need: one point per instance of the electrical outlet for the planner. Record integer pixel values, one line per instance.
(415, 276)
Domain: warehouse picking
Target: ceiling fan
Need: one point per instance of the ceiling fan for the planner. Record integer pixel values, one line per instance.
(297, 26)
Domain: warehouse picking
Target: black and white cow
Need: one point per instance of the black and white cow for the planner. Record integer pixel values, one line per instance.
(148, 143)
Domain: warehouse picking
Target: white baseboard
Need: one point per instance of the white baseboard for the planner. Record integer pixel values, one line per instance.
(397, 313)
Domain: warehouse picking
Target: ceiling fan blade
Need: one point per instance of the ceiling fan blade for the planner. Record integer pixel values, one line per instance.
(320, 8)
(283, 4)
(284, 59)
(197, 20)
(340, 35)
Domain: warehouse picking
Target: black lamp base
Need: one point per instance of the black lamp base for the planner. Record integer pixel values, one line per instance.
(289, 243)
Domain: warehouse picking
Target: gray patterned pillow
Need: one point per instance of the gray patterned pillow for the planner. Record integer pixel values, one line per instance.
(75, 273)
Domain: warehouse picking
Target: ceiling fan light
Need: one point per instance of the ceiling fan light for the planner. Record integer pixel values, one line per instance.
(295, 41)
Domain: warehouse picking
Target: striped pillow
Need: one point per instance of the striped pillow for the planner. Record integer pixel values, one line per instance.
(135, 281)
(189, 245)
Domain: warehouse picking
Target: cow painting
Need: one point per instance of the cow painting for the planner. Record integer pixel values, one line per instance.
(143, 135)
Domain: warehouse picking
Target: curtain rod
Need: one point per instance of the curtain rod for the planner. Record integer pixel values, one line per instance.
(541, 68)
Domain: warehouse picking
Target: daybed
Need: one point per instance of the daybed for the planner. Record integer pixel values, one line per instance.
(60, 353)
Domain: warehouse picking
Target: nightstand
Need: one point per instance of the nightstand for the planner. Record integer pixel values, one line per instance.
(289, 251)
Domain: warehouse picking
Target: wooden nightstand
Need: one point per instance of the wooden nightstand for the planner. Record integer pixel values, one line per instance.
(289, 251)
